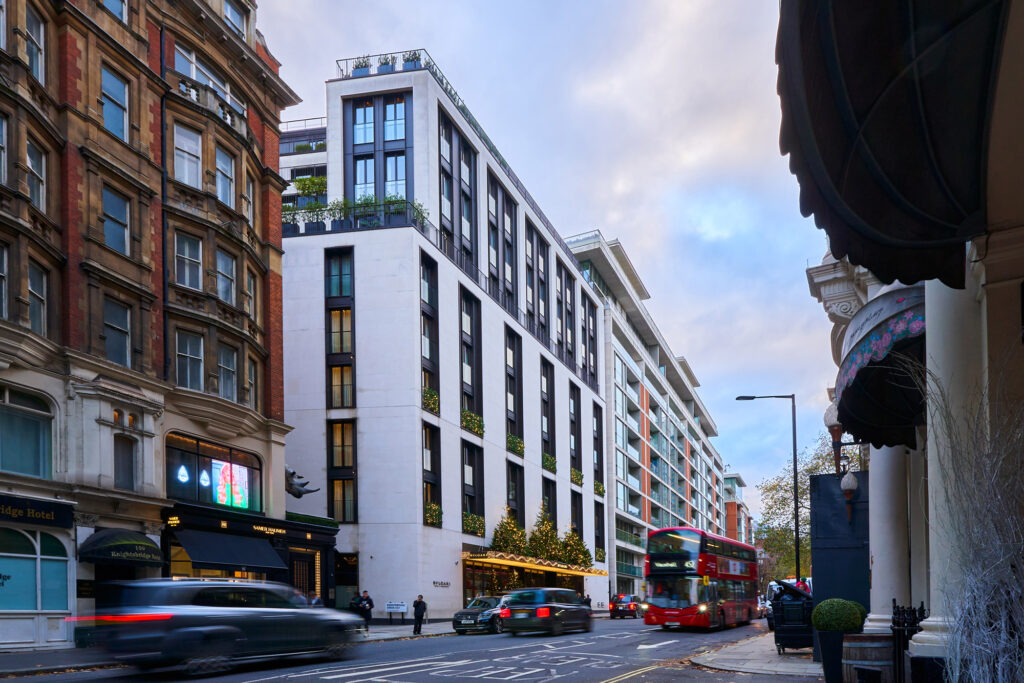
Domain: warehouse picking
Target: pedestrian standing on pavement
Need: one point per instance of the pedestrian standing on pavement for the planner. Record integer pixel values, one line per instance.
(419, 610)
(366, 605)
(586, 601)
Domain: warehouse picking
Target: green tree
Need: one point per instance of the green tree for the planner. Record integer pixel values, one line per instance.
(774, 531)
(575, 551)
(509, 537)
(544, 542)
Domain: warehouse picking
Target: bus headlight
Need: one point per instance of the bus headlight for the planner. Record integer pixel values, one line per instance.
(644, 606)
(702, 608)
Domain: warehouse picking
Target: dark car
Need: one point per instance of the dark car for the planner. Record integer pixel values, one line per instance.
(208, 625)
(482, 613)
(625, 605)
(554, 610)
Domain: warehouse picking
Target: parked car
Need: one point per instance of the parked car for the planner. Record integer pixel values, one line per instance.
(207, 626)
(554, 610)
(481, 614)
(625, 605)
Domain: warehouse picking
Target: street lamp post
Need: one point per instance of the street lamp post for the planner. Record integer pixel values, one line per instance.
(796, 491)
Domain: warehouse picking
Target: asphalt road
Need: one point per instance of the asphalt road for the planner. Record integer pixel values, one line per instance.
(619, 650)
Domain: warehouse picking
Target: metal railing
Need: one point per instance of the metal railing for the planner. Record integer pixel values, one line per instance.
(627, 537)
(906, 621)
(402, 213)
(303, 124)
(628, 569)
(392, 62)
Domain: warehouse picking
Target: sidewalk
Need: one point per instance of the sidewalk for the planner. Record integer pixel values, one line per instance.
(71, 659)
(757, 655)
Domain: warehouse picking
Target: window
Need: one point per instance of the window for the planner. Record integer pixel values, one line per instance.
(115, 103)
(466, 163)
(339, 331)
(362, 127)
(575, 456)
(212, 474)
(339, 273)
(598, 525)
(515, 493)
(249, 200)
(225, 177)
(35, 567)
(115, 221)
(472, 396)
(188, 260)
(225, 277)
(445, 138)
(3, 121)
(251, 295)
(342, 394)
(364, 185)
(394, 118)
(37, 290)
(115, 7)
(549, 498)
(341, 462)
(547, 407)
(227, 383)
(576, 512)
(35, 41)
(394, 183)
(188, 156)
(446, 196)
(25, 423)
(513, 383)
(254, 393)
(189, 360)
(3, 280)
(117, 332)
(598, 445)
(235, 16)
(472, 479)
(124, 463)
(36, 175)
(186, 62)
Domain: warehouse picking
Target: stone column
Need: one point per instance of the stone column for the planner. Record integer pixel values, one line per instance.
(954, 355)
(887, 528)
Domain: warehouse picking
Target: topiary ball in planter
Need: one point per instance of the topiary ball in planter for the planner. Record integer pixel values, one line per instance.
(836, 614)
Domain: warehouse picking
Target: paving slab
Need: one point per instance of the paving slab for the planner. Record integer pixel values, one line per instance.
(758, 655)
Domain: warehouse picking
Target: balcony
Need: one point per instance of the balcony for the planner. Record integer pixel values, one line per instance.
(628, 569)
(210, 100)
(627, 537)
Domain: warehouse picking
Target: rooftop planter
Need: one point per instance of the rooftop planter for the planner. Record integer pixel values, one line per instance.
(411, 60)
(514, 444)
(575, 476)
(432, 515)
(361, 66)
(472, 422)
(386, 64)
(548, 462)
(473, 524)
(431, 401)
(598, 488)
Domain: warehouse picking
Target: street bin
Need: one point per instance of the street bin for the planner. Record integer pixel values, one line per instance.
(791, 610)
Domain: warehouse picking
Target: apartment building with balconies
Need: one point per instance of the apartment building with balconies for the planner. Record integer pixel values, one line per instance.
(444, 349)
(739, 525)
(658, 433)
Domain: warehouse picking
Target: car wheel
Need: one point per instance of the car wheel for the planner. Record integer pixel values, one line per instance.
(588, 625)
(208, 658)
(557, 628)
(337, 645)
(497, 625)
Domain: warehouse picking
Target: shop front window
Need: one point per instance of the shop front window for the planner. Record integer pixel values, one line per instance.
(211, 474)
(34, 565)
(25, 440)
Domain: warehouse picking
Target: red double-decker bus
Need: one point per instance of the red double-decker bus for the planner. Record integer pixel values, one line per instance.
(698, 579)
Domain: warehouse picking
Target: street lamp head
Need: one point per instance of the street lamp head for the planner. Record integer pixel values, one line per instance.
(745, 398)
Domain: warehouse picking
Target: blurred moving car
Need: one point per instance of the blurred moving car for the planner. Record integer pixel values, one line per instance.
(554, 610)
(625, 605)
(207, 626)
(482, 613)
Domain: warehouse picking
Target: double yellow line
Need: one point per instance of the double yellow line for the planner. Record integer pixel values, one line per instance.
(630, 674)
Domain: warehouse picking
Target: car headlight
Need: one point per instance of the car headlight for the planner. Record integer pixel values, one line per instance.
(644, 606)
(702, 608)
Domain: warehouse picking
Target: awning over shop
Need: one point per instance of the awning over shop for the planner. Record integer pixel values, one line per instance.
(886, 111)
(120, 546)
(877, 400)
(210, 550)
(523, 562)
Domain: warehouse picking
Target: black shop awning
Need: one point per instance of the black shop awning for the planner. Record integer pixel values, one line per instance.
(886, 110)
(211, 550)
(120, 546)
(878, 399)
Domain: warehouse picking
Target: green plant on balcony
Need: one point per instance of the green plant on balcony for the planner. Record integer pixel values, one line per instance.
(431, 401)
(304, 147)
(473, 524)
(472, 422)
(311, 186)
(598, 488)
(575, 476)
(420, 215)
(514, 444)
(411, 56)
(432, 514)
(290, 213)
(361, 62)
(548, 462)
(599, 555)
(387, 60)
(340, 209)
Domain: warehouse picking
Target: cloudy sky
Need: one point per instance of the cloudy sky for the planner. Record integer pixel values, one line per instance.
(656, 122)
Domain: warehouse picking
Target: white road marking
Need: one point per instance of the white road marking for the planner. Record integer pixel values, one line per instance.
(648, 647)
(372, 672)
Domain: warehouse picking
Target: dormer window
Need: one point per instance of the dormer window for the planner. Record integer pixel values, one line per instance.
(235, 16)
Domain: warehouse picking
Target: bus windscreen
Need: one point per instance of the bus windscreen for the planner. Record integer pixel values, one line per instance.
(674, 541)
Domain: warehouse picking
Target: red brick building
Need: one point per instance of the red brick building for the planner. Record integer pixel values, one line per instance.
(739, 525)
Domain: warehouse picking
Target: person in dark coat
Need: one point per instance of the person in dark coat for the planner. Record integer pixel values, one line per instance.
(366, 605)
(419, 610)
(353, 604)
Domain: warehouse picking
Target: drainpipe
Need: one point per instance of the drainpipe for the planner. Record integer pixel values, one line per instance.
(163, 198)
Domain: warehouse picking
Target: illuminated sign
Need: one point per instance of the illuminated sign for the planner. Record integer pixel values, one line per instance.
(183, 475)
(204, 478)
(269, 529)
(33, 511)
(231, 484)
(666, 565)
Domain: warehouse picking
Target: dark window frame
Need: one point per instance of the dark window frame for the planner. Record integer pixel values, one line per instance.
(473, 492)
(342, 472)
